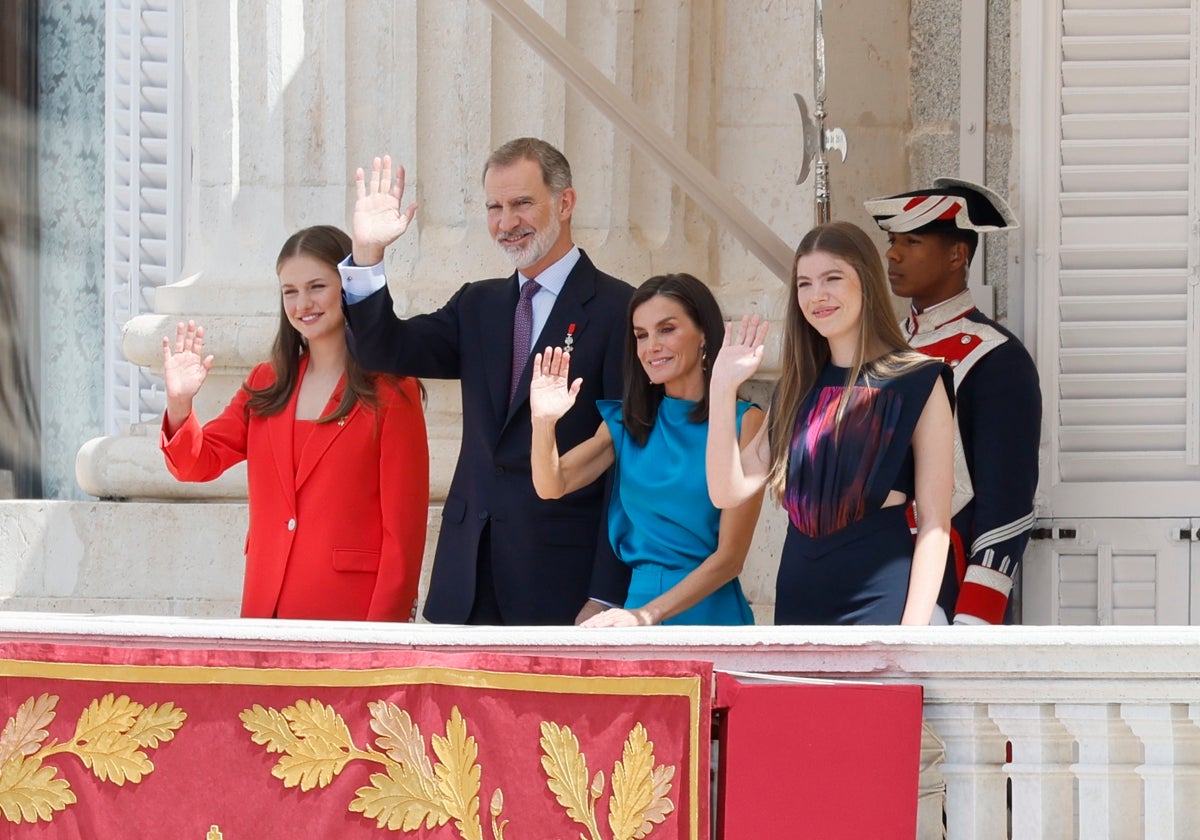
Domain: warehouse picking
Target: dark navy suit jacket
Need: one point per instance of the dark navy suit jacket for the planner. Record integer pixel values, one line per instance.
(548, 557)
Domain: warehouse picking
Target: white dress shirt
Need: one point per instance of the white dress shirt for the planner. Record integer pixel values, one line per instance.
(361, 281)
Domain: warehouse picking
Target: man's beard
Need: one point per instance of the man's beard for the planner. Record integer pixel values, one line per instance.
(538, 246)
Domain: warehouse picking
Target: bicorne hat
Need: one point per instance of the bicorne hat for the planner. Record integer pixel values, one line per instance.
(951, 203)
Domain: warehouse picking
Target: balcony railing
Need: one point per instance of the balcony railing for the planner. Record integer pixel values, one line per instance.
(1096, 728)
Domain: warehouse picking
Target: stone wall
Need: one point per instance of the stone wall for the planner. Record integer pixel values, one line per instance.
(128, 557)
(933, 146)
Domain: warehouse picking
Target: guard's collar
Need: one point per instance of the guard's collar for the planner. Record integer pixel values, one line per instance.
(938, 315)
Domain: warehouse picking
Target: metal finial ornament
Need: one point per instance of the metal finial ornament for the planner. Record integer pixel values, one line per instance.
(819, 140)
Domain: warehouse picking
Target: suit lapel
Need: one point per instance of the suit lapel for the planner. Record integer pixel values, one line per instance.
(323, 435)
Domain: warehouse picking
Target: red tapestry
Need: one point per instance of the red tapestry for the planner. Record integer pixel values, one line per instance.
(191, 744)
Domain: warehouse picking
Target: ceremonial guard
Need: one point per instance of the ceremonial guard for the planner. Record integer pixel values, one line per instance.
(932, 237)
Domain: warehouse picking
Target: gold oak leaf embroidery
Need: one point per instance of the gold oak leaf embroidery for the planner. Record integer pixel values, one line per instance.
(315, 745)
(30, 791)
(111, 732)
(156, 725)
(566, 772)
(101, 740)
(407, 795)
(268, 728)
(107, 739)
(458, 775)
(662, 804)
(640, 790)
(314, 741)
(25, 731)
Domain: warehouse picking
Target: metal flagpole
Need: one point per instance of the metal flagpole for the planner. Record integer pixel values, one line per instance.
(819, 140)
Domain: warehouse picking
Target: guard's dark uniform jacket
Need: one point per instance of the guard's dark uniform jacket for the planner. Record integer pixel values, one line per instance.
(998, 408)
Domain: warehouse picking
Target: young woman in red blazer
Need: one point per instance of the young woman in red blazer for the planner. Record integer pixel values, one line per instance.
(337, 458)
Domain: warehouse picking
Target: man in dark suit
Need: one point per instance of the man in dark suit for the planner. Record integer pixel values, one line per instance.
(504, 556)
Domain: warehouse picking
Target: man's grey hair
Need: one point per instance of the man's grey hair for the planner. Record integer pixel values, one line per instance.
(556, 172)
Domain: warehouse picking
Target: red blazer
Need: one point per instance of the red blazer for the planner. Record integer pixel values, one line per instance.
(342, 535)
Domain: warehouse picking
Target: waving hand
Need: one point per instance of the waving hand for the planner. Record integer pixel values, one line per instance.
(551, 392)
(378, 218)
(742, 352)
(184, 371)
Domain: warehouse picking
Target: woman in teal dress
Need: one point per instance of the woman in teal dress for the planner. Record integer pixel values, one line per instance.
(683, 553)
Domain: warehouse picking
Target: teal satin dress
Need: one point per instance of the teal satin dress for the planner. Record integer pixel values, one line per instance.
(660, 519)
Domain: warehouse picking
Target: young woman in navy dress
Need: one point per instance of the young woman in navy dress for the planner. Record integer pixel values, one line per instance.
(684, 554)
(859, 425)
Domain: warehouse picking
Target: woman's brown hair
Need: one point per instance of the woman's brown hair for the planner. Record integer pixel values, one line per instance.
(330, 245)
(882, 351)
(639, 408)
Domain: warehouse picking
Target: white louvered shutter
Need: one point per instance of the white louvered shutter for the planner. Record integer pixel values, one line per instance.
(1119, 324)
(1110, 571)
(143, 239)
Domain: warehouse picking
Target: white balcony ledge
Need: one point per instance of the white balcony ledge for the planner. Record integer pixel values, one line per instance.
(1102, 722)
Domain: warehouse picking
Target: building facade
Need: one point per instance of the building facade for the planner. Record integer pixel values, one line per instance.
(176, 148)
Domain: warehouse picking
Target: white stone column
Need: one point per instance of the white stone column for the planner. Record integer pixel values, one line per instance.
(1040, 770)
(975, 780)
(1110, 792)
(1171, 770)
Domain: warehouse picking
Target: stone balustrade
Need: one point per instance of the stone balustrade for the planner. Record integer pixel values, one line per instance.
(1103, 722)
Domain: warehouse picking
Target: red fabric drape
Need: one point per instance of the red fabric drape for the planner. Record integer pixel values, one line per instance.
(167, 742)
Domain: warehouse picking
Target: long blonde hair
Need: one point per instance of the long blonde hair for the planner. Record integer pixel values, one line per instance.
(882, 351)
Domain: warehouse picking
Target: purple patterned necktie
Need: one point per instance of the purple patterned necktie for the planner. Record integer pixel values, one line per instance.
(522, 334)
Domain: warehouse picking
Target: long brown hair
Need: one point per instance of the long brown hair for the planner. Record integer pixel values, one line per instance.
(881, 352)
(641, 398)
(329, 245)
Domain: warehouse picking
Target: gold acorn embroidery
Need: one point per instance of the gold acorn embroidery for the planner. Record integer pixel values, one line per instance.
(109, 739)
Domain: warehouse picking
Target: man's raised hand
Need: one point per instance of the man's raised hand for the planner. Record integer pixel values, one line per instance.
(378, 219)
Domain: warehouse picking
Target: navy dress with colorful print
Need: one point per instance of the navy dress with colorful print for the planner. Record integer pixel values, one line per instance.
(846, 559)
(660, 519)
